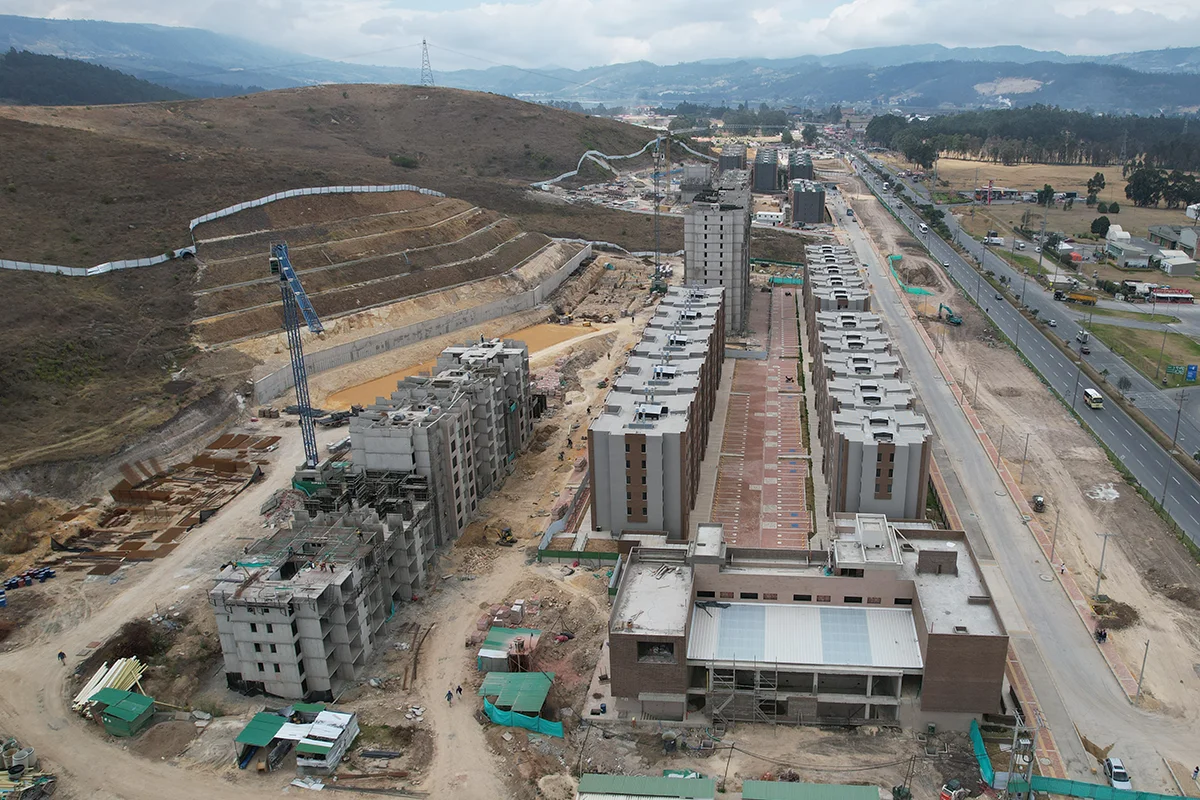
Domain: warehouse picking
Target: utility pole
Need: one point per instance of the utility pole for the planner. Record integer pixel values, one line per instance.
(1174, 439)
(1142, 673)
(1078, 372)
(1023, 458)
(1100, 572)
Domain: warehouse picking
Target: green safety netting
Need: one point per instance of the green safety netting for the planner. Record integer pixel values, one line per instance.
(1058, 786)
(512, 719)
(910, 289)
(981, 755)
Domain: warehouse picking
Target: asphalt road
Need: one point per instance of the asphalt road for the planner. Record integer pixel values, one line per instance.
(1136, 449)
(1073, 684)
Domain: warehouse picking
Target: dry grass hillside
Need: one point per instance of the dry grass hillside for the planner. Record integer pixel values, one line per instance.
(87, 363)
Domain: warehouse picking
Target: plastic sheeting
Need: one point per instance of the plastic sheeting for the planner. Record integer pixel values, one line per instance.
(512, 719)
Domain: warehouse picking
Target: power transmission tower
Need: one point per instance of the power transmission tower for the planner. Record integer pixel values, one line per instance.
(426, 70)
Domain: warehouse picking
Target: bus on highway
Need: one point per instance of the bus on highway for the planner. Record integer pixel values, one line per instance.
(1093, 399)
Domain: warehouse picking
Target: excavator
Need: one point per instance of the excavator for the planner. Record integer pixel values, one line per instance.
(951, 318)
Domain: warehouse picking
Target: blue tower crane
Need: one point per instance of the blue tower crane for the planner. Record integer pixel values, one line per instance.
(295, 305)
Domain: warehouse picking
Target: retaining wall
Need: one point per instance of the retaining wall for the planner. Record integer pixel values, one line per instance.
(280, 381)
(110, 266)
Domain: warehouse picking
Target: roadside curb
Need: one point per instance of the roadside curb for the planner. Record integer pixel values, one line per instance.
(1078, 598)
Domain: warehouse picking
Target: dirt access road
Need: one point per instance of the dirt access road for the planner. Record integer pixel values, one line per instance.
(33, 702)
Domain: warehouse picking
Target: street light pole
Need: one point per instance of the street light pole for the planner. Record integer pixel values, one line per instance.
(1054, 539)
(1161, 350)
(1000, 447)
(1100, 572)
(1174, 439)
(1142, 673)
(1023, 457)
(1078, 372)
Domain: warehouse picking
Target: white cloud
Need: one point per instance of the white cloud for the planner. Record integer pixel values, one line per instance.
(580, 33)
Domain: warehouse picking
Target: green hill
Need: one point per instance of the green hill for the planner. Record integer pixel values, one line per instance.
(31, 79)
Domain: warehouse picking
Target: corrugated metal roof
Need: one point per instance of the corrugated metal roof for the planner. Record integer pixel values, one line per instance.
(261, 730)
(883, 638)
(778, 790)
(108, 696)
(639, 786)
(524, 692)
(132, 707)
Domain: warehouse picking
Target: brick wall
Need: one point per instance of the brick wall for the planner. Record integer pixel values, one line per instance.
(630, 677)
(963, 673)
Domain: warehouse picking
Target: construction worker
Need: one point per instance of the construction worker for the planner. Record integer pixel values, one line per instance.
(449, 697)
(560, 455)
(458, 691)
(62, 658)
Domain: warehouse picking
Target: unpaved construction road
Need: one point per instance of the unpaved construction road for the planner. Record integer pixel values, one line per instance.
(34, 701)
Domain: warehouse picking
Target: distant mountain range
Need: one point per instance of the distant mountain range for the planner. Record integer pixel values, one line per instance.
(924, 76)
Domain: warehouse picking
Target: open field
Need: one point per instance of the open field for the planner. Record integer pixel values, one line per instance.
(88, 364)
(1141, 349)
(1098, 311)
(961, 176)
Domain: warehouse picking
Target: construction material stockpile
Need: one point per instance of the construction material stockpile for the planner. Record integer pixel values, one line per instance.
(123, 675)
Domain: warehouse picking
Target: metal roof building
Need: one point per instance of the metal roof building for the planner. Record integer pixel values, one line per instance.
(636, 787)
(806, 636)
(779, 790)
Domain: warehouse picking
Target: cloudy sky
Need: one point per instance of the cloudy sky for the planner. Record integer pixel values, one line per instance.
(580, 33)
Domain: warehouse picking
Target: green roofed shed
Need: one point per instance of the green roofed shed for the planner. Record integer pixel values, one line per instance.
(628, 786)
(261, 730)
(124, 713)
(501, 638)
(780, 790)
(523, 692)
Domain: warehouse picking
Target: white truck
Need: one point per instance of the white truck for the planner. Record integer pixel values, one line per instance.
(994, 240)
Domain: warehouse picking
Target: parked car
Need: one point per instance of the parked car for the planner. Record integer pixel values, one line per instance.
(1118, 778)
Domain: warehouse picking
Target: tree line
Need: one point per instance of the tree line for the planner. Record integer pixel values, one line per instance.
(32, 79)
(1043, 135)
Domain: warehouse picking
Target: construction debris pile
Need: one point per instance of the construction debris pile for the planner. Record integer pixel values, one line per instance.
(155, 506)
(505, 615)
(20, 779)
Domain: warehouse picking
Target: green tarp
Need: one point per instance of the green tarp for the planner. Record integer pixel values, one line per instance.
(524, 692)
(261, 730)
(781, 790)
(511, 719)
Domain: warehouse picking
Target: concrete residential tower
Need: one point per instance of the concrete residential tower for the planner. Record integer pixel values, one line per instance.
(716, 244)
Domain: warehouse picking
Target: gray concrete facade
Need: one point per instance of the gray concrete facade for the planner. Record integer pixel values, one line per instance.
(301, 612)
(808, 202)
(716, 244)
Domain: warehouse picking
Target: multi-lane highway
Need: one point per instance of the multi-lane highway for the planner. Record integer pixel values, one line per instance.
(1136, 449)
(1075, 689)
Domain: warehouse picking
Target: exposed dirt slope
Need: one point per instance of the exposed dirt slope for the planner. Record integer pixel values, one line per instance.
(79, 186)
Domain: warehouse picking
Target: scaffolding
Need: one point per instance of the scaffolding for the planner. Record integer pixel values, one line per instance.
(749, 692)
